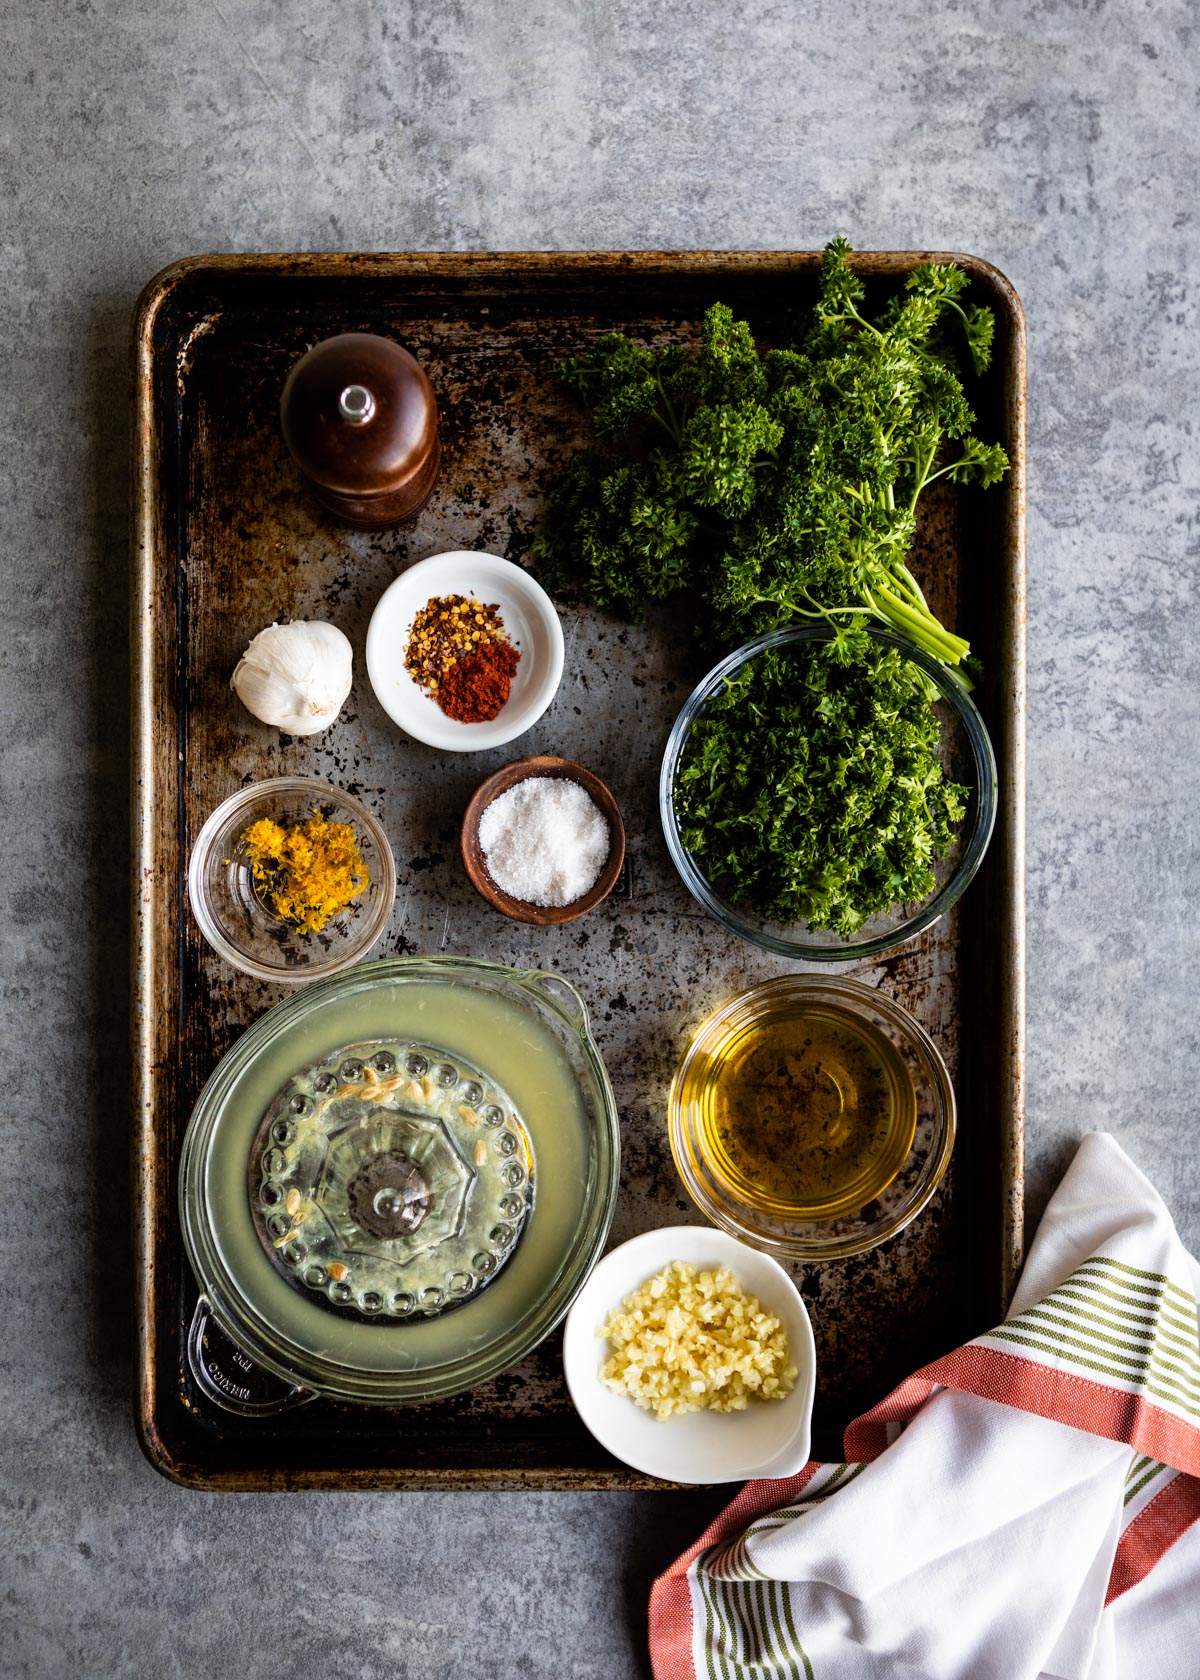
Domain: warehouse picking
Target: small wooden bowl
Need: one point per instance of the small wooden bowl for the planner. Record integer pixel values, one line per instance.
(543, 915)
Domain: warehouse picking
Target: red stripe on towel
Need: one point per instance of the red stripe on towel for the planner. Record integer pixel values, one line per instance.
(867, 1436)
(1155, 1529)
(1063, 1396)
(1069, 1398)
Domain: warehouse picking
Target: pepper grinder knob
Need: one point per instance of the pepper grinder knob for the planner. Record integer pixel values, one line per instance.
(360, 419)
(357, 405)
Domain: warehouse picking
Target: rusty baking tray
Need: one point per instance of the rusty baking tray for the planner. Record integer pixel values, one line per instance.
(225, 539)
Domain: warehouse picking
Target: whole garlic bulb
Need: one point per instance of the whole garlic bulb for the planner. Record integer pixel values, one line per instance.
(295, 676)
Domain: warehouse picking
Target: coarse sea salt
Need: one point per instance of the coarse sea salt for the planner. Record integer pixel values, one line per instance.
(545, 841)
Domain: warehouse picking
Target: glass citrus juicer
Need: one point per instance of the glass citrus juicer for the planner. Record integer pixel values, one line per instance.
(394, 1185)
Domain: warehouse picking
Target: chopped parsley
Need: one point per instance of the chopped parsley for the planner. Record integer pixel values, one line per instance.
(811, 790)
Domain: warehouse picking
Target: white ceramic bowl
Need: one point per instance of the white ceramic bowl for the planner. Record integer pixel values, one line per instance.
(529, 618)
(767, 1439)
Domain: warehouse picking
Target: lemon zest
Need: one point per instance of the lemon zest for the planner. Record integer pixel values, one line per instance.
(308, 872)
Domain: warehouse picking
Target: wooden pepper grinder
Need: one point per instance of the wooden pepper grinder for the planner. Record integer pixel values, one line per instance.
(360, 419)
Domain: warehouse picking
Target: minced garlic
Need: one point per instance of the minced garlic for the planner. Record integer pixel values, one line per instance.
(689, 1339)
(308, 872)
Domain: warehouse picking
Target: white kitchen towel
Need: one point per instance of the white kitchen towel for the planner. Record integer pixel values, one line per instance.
(1018, 1510)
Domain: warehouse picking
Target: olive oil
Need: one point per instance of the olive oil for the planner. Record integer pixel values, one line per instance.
(803, 1111)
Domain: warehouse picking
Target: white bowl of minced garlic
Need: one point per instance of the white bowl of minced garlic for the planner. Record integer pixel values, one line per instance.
(690, 1356)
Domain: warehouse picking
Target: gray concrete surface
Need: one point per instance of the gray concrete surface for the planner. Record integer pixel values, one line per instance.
(1057, 139)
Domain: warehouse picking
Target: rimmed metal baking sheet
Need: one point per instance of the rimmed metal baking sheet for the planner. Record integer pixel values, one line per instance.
(226, 539)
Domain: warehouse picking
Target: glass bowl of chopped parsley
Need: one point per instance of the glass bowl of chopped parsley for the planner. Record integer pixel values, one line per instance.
(291, 878)
(828, 792)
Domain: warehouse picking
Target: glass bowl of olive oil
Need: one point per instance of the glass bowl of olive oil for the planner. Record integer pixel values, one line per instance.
(812, 1118)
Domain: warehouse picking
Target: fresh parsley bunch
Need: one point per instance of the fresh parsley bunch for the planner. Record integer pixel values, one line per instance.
(779, 486)
(841, 808)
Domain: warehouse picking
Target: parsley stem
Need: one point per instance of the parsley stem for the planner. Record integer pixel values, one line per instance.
(863, 322)
(948, 468)
(921, 473)
(923, 628)
(672, 421)
(902, 575)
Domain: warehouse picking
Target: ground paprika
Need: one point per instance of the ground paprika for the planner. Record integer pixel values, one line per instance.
(475, 687)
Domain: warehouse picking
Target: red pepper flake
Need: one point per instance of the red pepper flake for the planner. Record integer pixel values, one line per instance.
(475, 688)
(448, 627)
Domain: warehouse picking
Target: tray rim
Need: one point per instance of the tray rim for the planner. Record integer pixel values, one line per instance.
(148, 1156)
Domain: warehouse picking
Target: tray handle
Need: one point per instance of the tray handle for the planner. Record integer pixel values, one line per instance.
(230, 1378)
